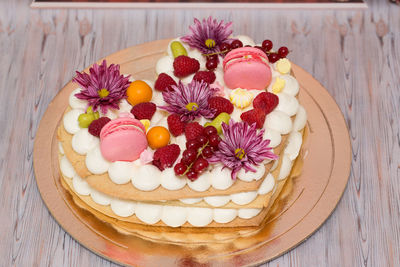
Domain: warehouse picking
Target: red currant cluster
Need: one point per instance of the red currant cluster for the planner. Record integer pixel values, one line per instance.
(194, 158)
(213, 60)
(273, 57)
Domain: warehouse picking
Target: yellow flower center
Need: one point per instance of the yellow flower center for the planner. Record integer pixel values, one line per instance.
(210, 43)
(103, 93)
(239, 153)
(192, 106)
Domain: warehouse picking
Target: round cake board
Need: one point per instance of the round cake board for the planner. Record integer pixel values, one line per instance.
(312, 196)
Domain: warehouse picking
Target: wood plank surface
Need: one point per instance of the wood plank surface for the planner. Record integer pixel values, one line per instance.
(354, 54)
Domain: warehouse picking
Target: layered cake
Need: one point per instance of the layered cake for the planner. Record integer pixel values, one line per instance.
(205, 148)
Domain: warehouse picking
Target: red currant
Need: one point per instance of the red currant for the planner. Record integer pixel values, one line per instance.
(225, 47)
(236, 44)
(202, 139)
(267, 45)
(180, 168)
(207, 152)
(212, 64)
(283, 51)
(212, 57)
(192, 175)
(214, 140)
(273, 57)
(193, 144)
(210, 130)
(199, 165)
(188, 156)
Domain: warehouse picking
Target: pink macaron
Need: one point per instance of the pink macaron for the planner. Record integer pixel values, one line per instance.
(246, 68)
(123, 139)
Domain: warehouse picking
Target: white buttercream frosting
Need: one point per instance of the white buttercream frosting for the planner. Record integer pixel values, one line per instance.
(300, 120)
(83, 141)
(225, 215)
(200, 216)
(286, 167)
(147, 178)
(267, 185)
(164, 65)
(95, 162)
(248, 213)
(66, 167)
(294, 144)
(278, 121)
(221, 178)
(274, 137)
(252, 176)
(244, 198)
(291, 85)
(148, 213)
(287, 104)
(75, 102)
(70, 120)
(123, 208)
(174, 216)
(100, 198)
(170, 181)
(202, 183)
(217, 201)
(80, 185)
(121, 172)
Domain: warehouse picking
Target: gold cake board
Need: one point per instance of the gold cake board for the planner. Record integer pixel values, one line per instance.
(314, 194)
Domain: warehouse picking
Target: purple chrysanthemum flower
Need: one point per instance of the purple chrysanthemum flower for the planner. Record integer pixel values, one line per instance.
(208, 35)
(242, 147)
(104, 87)
(189, 101)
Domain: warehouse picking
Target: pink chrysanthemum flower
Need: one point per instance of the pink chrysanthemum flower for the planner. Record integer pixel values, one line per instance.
(189, 101)
(208, 35)
(242, 147)
(103, 88)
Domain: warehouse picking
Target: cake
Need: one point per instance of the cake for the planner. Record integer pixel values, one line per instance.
(200, 153)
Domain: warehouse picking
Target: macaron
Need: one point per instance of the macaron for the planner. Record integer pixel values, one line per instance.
(247, 68)
(123, 139)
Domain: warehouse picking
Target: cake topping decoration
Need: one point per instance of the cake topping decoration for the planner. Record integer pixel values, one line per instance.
(166, 156)
(266, 101)
(139, 92)
(175, 125)
(217, 122)
(164, 82)
(144, 110)
(208, 35)
(96, 126)
(85, 119)
(278, 85)
(146, 124)
(189, 101)
(146, 156)
(241, 98)
(242, 147)
(283, 66)
(178, 49)
(184, 66)
(158, 137)
(123, 139)
(220, 104)
(103, 88)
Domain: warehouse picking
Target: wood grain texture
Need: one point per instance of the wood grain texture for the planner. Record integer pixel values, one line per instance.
(354, 54)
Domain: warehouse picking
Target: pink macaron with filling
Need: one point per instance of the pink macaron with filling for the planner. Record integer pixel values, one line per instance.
(123, 139)
(246, 68)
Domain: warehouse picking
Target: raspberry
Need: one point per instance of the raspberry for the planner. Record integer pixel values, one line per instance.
(175, 125)
(220, 104)
(166, 156)
(255, 115)
(206, 76)
(193, 130)
(266, 101)
(184, 66)
(144, 111)
(96, 125)
(164, 82)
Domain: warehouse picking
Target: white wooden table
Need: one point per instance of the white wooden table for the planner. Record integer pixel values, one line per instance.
(354, 54)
